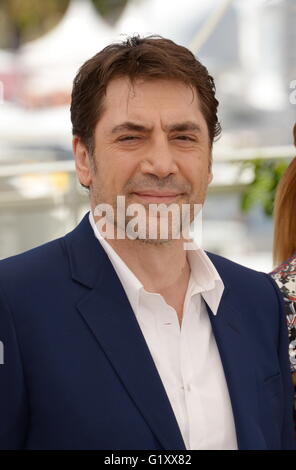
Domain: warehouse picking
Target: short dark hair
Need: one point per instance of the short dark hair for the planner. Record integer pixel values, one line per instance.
(150, 57)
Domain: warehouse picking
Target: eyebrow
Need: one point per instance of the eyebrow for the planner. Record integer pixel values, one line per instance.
(178, 126)
(184, 126)
(130, 126)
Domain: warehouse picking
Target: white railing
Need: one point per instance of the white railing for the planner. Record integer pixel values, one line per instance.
(225, 156)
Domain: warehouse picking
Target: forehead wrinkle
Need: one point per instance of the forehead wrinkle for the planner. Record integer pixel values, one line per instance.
(136, 123)
(131, 93)
(132, 84)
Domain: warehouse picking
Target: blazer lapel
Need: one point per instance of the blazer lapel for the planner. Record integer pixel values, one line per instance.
(238, 363)
(109, 316)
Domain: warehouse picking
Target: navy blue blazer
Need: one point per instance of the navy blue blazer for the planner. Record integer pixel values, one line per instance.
(78, 374)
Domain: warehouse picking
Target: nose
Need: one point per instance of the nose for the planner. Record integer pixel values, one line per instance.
(159, 160)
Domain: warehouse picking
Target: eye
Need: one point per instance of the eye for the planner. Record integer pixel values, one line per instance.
(185, 137)
(127, 138)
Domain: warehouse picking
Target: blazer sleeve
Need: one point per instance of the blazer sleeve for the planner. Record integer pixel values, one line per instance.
(288, 434)
(13, 396)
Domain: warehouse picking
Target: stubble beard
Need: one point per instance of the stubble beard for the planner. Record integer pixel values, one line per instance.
(175, 228)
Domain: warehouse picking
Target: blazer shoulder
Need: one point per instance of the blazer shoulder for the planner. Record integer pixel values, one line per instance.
(33, 262)
(242, 278)
(225, 264)
(254, 293)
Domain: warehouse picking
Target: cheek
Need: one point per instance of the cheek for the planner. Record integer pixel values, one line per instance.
(126, 167)
(196, 172)
(116, 172)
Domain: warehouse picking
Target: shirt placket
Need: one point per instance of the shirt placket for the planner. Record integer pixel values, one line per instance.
(189, 369)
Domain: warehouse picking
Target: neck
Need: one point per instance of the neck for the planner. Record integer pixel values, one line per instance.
(159, 267)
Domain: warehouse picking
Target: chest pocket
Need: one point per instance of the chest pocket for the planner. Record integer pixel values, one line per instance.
(273, 385)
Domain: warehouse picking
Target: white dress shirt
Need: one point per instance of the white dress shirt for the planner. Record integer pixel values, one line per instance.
(186, 357)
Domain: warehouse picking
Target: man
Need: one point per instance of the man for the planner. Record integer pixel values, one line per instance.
(122, 342)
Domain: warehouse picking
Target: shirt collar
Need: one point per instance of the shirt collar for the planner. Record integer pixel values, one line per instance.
(204, 278)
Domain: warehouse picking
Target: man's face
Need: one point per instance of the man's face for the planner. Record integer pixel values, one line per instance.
(151, 146)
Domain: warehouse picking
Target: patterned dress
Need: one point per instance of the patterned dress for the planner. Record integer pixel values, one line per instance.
(285, 277)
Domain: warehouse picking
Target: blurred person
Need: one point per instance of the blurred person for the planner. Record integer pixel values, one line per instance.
(136, 343)
(284, 255)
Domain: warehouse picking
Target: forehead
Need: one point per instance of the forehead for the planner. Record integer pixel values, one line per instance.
(150, 99)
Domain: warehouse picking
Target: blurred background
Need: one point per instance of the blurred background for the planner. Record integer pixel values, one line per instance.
(249, 46)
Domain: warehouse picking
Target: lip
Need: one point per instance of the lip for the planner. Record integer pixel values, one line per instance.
(157, 196)
(156, 193)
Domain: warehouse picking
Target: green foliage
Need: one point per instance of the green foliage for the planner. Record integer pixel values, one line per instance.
(105, 7)
(29, 19)
(261, 191)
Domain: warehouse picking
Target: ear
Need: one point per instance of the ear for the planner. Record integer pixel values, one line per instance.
(82, 162)
(210, 166)
(210, 177)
